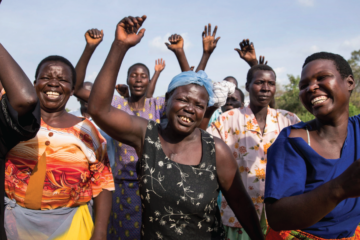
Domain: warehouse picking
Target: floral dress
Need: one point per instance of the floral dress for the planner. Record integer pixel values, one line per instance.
(179, 201)
(125, 218)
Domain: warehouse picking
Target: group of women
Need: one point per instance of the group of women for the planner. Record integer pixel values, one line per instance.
(168, 171)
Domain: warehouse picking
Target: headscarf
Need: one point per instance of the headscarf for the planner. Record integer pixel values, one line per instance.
(190, 77)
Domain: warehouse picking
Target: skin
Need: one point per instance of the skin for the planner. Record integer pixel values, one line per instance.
(178, 136)
(209, 44)
(138, 81)
(177, 47)
(57, 77)
(233, 101)
(19, 90)
(83, 104)
(320, 78)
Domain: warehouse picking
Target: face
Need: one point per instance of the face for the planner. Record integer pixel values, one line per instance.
(323, 91)
(233, 101)
(138, 80)
(186, 108)
(54, 86)
(262, 88)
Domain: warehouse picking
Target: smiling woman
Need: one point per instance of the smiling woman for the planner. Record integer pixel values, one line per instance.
(52, 177)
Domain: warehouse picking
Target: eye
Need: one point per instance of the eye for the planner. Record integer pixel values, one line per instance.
(200, 106)
(302, 86)
(272, 83)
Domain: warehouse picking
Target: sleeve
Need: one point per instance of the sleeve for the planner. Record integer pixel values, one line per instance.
(117, 101)
(285, 170)
(18, 128)
(216, 128)
(160, 102)
(100, 170)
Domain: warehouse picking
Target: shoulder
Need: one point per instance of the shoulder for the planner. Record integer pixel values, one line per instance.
(116, 100)
(286, 116)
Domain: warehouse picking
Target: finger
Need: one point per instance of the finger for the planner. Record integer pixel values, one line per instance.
(239, 52)
(214, 33)
(205, 31)
(141, 32)
(209, 30)
(247, 42)
(203, 34)
(252, 45)
(216, 40)
(163, 63)
(266, 62)
(102, 33)
(155, 62)
(242, 45)
(167, 45)
(136, 25)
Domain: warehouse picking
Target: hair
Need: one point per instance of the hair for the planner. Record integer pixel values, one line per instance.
(242, 96)
(56, 58)
(232, 78)
(139, 64)
(259, 67)
(340, 63)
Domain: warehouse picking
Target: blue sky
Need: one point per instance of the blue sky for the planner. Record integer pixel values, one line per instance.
(285, 31)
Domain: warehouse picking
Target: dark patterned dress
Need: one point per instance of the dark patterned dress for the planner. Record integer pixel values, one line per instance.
(125, 218)
(178, 201)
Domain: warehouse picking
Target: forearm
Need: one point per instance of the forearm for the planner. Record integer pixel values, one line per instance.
(151, 87)
(253, 62)
(205, 122)
(184, 65)
(81, 66)
(103, 89)
(102, 207)
(20, 91)
(309, 208)
(204, 59)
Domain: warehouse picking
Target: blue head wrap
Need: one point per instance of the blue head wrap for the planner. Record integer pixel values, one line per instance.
(190, 77)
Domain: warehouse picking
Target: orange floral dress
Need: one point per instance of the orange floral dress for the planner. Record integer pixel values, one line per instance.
(77, 166)
(239, 129)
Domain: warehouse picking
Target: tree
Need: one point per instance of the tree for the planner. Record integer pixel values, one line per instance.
(354, 62)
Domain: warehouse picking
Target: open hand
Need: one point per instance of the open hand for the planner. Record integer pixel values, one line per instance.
(247, 51)
(176, 43)
(123, 90)
(127, 31)
(209, 41)
(159, 65)
(262, 60)
(94, 37)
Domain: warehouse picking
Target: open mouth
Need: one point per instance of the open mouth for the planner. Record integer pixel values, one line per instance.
(138, 88)
(52, 95)
(186, 119)
(318, 100)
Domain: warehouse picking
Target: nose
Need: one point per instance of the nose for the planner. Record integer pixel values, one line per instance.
(265, 87)
(189, 108)
(53, 83)
(312, 87)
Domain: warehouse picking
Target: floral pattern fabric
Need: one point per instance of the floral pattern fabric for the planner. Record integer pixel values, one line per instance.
(125, 219)
(77, 166)
(241, 132)
(179, 201)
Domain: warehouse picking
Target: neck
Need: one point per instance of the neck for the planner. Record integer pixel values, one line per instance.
(173, 137)
(51, 116)
(137, 102)
(260, 113)
(333, 129)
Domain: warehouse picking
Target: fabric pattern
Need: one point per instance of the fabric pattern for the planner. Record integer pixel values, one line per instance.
(179, 201)
(77, 166)
(125, 219)
(239, 129)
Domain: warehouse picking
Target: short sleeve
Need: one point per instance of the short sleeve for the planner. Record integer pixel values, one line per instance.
(100, 170)
(285, 170)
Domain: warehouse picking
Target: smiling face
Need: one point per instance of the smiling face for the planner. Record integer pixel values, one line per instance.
(262, 88)
(323, 91)
(233, 101)
(138, 80)
(54, 86)
(186, 107)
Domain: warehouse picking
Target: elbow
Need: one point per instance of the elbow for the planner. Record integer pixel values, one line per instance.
(273, 218)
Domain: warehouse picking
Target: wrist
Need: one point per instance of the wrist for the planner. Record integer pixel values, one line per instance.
(179, 51)
(253, 62)
(120, 45)
(336, 191)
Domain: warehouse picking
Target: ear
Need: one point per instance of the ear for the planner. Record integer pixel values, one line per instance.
(34, 82)
(350, 83)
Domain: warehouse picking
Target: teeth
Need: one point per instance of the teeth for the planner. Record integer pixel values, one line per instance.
(185, 119)
(52, 94)
(318, 100)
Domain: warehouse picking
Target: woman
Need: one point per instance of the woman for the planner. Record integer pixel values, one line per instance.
(51, 178)
(171, 210)
(313, 171)
(249, 131)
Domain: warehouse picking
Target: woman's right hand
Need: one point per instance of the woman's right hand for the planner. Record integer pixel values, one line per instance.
(94, 37)
(176, 43)
(347, 185)
(127, 31)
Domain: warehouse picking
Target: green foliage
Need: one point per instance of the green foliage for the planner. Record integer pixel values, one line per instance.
(67, 109)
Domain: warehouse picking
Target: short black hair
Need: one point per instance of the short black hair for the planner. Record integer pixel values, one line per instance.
(242, 96)
(232, 78)
(56, 58)
(259, 67)
(138, 64)
(340, 63)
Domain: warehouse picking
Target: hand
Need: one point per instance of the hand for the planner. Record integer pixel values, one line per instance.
(94, 37)
(127, 31)
(123, 90)
(347, 185)
(159, 65)
(262, 60)
(192, 68)
(247, 52)
(209, 41)
(176, 43)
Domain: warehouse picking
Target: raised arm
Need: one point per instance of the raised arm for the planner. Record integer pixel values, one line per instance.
(176, 45)
(159, 67)
(130, 129)
(19, 90)
(209, 44)
(247, 53)
(234, 191)
(93, 38)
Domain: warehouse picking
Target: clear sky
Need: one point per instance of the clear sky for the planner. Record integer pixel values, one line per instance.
(285, 31)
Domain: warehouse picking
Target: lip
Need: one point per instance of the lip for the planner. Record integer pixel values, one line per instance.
(319, 104)
(318, 95)
(263, 97)
(50, 98)
(183, 122)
